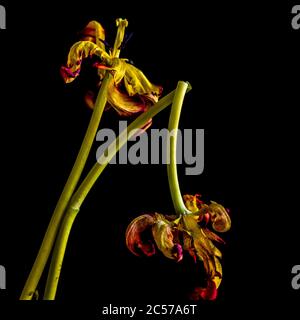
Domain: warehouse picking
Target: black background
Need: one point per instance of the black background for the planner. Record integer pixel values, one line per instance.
(244, 78)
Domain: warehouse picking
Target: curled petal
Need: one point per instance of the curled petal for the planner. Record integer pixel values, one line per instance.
(208, 293)
(117, 97)
(164, 239)
(136, 235)
(94, 32)
(79, 51)
(123, 103)
(193, 203)
(220, 219)
(137, 83)
(130, 81)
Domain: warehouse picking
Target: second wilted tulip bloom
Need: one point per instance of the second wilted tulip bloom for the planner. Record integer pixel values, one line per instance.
(190, 232)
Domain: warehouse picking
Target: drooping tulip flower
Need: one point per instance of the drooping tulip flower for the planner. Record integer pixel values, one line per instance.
(190, 232)
(130, 92)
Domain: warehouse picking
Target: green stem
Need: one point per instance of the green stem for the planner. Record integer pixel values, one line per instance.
(66, 195)
(83, 190)
(172, 166)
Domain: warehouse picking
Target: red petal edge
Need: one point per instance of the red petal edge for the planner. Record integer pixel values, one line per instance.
(208, 293)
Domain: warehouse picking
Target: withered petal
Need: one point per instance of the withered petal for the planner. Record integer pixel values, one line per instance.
(79, 51)
(212, 236)
(137, 83)
(164, 239)
(189, 246)
(204, 247)
(135, 235)
(94, 32)
(220, 219)
(192, 202)
(208, 293)
(123, 103)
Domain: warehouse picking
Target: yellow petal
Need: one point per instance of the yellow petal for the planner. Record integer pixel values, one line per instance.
(137, 83)
(123, 103)
(94, 32)
(220, 219)
(79, 51)
(205, 249)
(191, 202)
(164, 239)
(126, 102)
(217, 279)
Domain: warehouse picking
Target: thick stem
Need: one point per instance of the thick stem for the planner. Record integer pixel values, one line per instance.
(83, 190)
(66, 195)
(172, 166)
(59, 253)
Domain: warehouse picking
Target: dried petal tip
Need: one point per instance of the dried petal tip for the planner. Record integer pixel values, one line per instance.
(208, 293)
(220, 219)
(136, 235)
(94, 32)
(193, 203)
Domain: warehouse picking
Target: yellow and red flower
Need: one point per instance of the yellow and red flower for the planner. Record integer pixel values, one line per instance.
(190, 232)
(130, 92)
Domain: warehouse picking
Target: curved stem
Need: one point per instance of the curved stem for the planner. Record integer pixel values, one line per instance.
(71, 184)
(83, 190)
(66, 195)
(172, 166)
